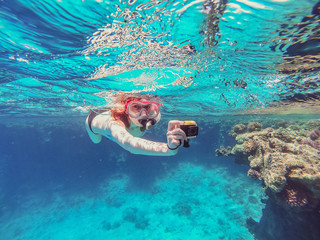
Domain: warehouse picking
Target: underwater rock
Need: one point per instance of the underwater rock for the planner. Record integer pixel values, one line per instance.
(286, 159)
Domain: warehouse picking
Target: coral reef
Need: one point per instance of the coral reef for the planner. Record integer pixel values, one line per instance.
(135, 216)
(279, 223)
(222, 151)
(254, 126)
(182, 209)
(286, 159)
(312, 143)
(254, 174)
(250, 146)
(295, 197)
(239, 128)
(315, 134)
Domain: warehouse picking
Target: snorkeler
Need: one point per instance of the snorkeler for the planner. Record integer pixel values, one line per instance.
(127, 123)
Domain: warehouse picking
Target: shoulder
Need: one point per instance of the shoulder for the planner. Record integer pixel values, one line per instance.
(105, 120)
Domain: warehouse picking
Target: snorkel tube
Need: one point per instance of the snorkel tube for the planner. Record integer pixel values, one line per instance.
(147, 123)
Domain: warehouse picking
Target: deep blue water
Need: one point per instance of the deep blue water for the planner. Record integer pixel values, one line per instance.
(51, 174)
(57, 184)
(209, 61)
(46, 153)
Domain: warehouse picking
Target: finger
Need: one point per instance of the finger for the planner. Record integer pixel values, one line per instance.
(176, 142)
(173, 124)
(174, 132)
(178, 131)
(176, 137)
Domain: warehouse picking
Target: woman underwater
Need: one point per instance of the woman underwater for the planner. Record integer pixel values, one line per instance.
(127, 123)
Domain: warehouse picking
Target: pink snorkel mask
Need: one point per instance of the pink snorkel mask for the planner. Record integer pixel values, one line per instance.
(146, 112)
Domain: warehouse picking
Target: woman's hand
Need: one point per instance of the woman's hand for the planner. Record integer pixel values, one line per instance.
(175, 135)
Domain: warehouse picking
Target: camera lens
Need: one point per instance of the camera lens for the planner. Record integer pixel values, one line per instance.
(193, 131)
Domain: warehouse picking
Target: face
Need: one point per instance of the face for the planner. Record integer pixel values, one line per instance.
(135, 121)
(143, 111)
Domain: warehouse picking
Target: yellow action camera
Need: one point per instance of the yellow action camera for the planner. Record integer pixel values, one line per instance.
(191, 130)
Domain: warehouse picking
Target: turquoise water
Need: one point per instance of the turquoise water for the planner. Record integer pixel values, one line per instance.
(58, 185)
(63, 57)
(216, 62)
(190, 202)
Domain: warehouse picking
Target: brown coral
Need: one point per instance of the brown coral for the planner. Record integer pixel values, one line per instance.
(295, 196)
(250, 145)
(254, 126)
(222, 151)
(315, 134)
(285, 136)
(254, 174)
(239, 128)
(279, 157)
(313, 144)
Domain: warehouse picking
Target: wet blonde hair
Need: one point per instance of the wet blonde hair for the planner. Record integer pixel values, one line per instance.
(119, 113)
